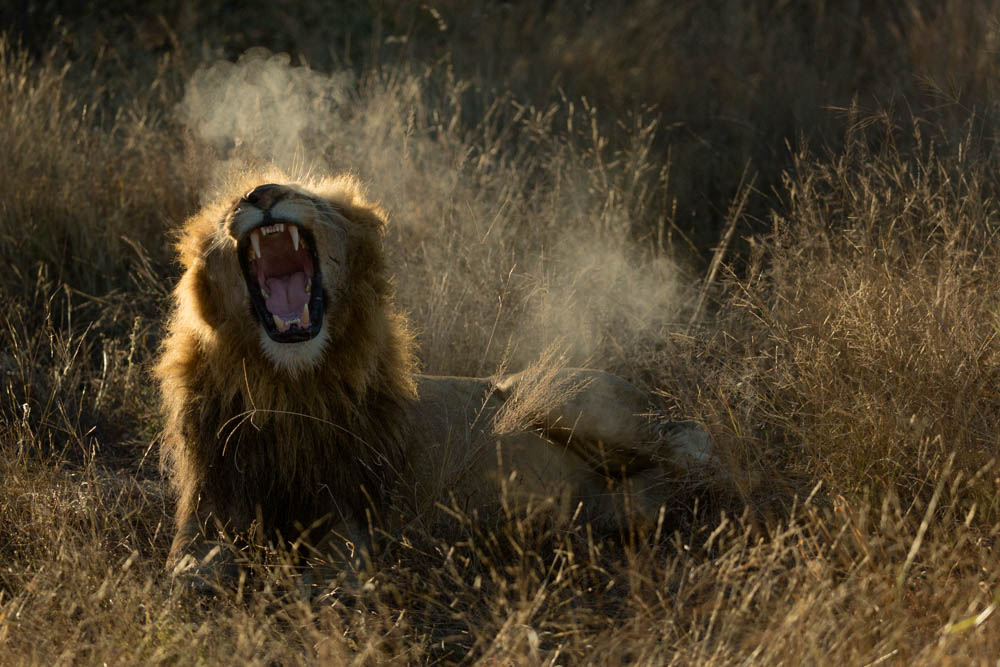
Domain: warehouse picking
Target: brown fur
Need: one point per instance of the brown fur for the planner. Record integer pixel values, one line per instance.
(249, 441)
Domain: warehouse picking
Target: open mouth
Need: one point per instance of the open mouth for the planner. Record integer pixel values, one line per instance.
(282, 273)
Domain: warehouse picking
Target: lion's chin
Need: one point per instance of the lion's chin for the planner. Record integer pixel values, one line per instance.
(294, 358)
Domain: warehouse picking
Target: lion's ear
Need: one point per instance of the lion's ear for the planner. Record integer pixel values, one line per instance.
(368, 218)
(346, 195)
(209, 280)
(365, 233)
(216, 285)
(195, 240)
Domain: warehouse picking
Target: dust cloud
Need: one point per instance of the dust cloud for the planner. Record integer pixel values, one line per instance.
(597, 300)
(456, 225)
(264, 108)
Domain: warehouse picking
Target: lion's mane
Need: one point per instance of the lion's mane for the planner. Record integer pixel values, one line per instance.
(248, 441)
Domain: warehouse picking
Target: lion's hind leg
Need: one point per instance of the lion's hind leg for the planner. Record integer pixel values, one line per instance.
(612, 424)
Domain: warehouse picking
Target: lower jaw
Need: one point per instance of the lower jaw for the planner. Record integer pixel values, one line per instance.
(291, 337)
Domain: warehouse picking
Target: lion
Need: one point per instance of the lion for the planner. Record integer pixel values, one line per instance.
(294, 409)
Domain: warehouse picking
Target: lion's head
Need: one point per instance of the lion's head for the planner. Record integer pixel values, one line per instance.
(291, 272)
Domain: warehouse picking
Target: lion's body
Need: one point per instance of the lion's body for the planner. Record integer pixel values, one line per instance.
(330, 432)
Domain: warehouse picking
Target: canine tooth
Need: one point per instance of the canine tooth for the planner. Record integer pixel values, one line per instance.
(304, 317)
(280, 323)
(255, 242)
(294, 231)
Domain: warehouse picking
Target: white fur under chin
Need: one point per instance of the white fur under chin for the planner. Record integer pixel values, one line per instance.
(293, 358)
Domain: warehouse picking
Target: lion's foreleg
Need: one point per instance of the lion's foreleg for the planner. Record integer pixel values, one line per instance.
(195, 558)
(337, 557)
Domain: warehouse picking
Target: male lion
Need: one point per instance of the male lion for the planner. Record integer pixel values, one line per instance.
(291, 400)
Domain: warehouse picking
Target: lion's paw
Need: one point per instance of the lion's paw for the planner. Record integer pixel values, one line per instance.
(207, 575)
(690, 443)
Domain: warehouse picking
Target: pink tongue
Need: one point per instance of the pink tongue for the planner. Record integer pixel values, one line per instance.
(287, 295)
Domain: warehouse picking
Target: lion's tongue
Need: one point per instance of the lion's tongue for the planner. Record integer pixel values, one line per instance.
(287, 295)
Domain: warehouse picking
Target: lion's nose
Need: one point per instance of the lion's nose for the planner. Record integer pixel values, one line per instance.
(264, 196)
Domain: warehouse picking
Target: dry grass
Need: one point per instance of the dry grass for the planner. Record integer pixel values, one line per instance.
(845, 355)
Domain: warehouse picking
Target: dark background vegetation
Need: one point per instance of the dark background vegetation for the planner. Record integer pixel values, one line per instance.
(732, 83)
(779, 216)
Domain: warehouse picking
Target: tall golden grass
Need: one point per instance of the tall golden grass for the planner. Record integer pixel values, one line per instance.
(838, 165)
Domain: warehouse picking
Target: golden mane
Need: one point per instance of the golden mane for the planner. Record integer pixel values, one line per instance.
(333, 425)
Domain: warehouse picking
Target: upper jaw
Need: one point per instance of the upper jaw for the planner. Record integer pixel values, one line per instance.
(246, 215)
